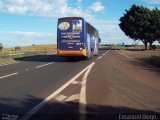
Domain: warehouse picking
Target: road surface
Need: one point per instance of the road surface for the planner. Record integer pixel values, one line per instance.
(110, 86)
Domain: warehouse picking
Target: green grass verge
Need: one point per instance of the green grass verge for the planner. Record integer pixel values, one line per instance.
(6, 60)
(28, 49)
(7, 54)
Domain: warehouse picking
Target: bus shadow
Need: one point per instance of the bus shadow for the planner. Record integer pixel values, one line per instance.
(49, 58)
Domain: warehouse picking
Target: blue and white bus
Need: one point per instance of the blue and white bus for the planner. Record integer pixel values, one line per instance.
(76, 37)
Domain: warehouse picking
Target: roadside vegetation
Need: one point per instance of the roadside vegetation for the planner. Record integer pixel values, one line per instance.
(8, 54)
(141, 23)
(6, 60)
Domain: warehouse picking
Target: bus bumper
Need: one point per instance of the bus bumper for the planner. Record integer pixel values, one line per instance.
(71, 53)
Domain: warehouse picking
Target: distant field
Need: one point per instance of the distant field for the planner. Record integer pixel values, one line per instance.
(6, 60)
(27, 49)
(7, 54)
(40, 48)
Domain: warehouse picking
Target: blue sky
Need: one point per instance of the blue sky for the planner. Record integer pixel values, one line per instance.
(27, 22)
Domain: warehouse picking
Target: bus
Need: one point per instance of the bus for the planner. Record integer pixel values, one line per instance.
(76, 37)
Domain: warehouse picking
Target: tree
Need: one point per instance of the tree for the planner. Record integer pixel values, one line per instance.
(154, 27)
(17, 48)
(141, 23)
(1, 46)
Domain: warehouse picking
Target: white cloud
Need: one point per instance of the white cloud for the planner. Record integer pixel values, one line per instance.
(24, 35)
(1, 5)
(21, 38)
(48, 8)
(110, 31)
(97, 7)
(20, 10)
(34, 7)
(152, 1)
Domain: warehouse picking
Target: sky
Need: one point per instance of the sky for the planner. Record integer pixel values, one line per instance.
(27, 22)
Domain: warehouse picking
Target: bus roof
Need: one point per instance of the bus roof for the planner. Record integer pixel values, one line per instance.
(64, 18)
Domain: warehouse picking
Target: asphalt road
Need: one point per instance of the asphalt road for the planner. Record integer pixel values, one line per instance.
(110, 86)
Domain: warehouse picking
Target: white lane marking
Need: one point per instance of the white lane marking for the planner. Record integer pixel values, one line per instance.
(107, 52)
(45, 65)
(67, 99)
(82, 100)
(9, 75)
(102, 55)
(73, 97)
(61, 97)
(8, 63)
(99, 57)
(138, 60)
(45, 101)
(76, 82)
(128, 56)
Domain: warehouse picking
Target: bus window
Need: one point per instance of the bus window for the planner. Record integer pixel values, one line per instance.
(77, 25)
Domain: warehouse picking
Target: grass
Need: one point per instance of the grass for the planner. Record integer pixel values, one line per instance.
(26, 49)
(7, 54)
(39, 48)
(6, 60)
